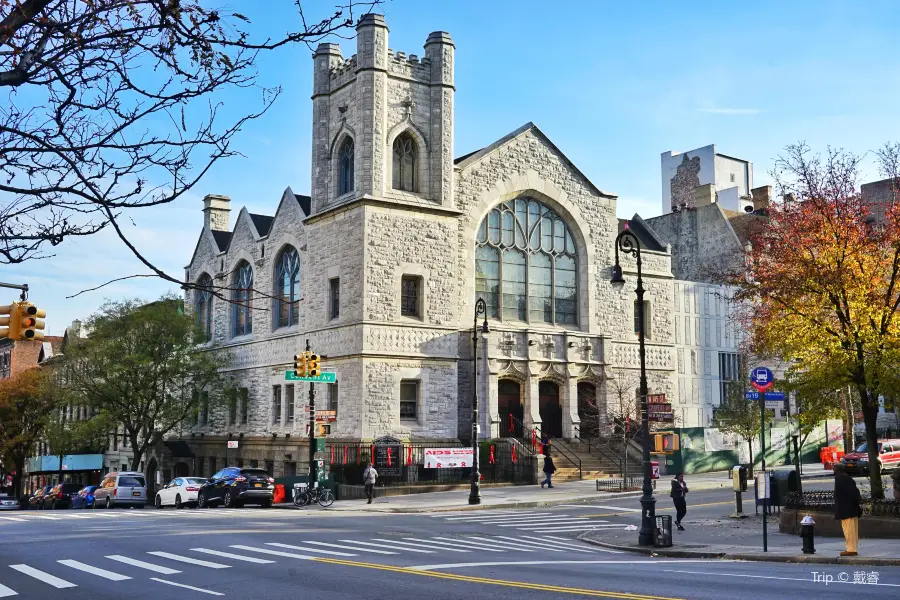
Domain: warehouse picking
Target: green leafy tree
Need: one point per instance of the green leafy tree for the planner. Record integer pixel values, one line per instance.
(740, 416)
(817, 400)
(27, 402)
(141, 367)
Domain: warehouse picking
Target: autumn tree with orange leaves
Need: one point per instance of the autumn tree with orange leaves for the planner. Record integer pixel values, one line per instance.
(822, 279)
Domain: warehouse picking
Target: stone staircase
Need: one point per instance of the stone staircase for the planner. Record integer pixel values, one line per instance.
(597, 460)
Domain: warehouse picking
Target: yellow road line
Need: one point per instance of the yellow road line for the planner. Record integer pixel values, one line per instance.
(501, 582)
(619, 514)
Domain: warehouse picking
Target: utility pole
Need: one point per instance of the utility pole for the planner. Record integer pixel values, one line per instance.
(312, 427)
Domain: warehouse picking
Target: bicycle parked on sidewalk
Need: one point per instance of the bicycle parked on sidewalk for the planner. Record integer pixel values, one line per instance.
(306, 496)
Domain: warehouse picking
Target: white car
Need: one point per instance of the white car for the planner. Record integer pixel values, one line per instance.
(179, 491)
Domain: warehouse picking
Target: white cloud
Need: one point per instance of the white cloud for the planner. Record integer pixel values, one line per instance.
(730, 111)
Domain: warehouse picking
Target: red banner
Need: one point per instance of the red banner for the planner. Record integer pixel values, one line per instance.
(389, 457)
(408, 455)
(344, 461)
(492, 454)
(332, 455)
(534, 439)
(514, 454)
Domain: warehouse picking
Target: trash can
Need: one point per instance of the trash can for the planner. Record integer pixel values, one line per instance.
(662, 532)
(782, 483)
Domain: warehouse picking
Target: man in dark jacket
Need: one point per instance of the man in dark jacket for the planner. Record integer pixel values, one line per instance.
(549, 469)
(678, 493)
(847, 508)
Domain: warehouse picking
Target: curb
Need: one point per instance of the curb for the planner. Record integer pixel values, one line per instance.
(777, 558)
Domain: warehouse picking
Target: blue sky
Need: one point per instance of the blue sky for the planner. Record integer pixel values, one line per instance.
(613, 84)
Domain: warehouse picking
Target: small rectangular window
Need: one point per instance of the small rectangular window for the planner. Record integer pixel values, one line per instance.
(732, 177)
(289, 400)
(232, 406)
(212, 464)
(276, 404)
(637, 317)
(410, 292)
(334, 297)
(270, 467)
(409, 400)
(204, 408)
(245, 405)
(254, 464)
(290, 469)
(333, 397)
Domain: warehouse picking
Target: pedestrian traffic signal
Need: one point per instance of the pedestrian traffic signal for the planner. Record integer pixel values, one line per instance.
(300, 365)
(312, 366)
(6, 321)
(31, 321)
(665, 442)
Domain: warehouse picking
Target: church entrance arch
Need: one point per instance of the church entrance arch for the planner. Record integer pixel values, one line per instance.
(550, 408)
(509, 404)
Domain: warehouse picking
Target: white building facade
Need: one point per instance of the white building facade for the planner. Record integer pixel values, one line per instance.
(381, 265)
(730, 179)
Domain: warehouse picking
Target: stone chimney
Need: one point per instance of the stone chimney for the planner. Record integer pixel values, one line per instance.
(215, 212)
(762, 197)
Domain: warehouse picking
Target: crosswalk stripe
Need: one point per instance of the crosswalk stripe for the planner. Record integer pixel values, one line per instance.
(469, 543)
(619, 508)
(78, 516)
(13, 519)
(273, 552)
(186, 586)
(189, 560)
(419, 545)
(479, 514)
(348, 547)
(143, 565)
(498, 517)
(6, 592)
(420, 551)
(542, 523)
(556, 544)
(595, 548)
(45, 517)
(544, 546)
(93, 570)
(502, 544)
(41, 576)
(572, 528)
(249, 559)
(314, 550)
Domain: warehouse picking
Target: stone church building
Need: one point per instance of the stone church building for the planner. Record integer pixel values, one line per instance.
(381, 265)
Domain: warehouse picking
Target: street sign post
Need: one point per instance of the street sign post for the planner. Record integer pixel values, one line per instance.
(322, 378)
(762, 379)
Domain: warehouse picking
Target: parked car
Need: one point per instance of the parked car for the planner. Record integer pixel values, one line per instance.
(36, 500)
(888, 458)
(7, 503)
(127, 488)
(234, 486)
(60, 495)
(84, 498)
(179, 492)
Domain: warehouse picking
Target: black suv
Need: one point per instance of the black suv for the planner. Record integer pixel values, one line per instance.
(61, 495)
(234, 486)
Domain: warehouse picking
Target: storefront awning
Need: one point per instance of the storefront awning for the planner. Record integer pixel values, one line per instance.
(70, 463)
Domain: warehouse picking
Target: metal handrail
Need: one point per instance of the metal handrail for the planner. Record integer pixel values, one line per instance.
(537, 435)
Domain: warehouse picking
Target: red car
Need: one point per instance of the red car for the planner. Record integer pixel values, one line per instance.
(888, 458)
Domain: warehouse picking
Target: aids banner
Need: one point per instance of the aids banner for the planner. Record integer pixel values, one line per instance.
(448, 458)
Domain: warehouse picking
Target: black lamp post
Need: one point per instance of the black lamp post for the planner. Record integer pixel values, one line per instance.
(475, 493)
(628, 243)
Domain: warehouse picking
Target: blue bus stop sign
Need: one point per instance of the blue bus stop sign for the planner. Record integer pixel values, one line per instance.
(761, 378)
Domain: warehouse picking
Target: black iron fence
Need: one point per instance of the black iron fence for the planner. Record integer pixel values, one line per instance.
(824, 502)
(499, 462)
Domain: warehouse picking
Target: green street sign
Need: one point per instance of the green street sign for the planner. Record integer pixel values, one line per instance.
(323, 378)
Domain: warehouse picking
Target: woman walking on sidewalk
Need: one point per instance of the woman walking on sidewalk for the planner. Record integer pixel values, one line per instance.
(549, 468)
(846, 508)
(679, 491)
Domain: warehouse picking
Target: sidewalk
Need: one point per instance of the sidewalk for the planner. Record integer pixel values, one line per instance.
(741, 539)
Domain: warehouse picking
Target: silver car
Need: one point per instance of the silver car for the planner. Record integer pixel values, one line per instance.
(7, 503)
(127, 488)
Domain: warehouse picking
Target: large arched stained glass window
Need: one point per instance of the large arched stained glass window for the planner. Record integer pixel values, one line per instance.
(345, 167)
(406, 163)
(287, 288)
(526, 264)
(241, 296)
(203, 307)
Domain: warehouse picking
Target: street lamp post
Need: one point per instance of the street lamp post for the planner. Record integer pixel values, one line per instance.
(475, 493)
(628, 243)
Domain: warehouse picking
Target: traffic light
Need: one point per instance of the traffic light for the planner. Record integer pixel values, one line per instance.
(300, 365)
(6, 312)
(312, 366)
(31, 322)
(665, 442)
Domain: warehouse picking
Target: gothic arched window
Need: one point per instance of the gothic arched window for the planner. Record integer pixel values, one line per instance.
(241, 296)
(406, 162)
(203, 307)
(287, 288)
(345, 167)
(526, 264)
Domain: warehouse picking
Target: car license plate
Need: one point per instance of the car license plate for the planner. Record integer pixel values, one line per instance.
(257, 485)
(850, 464)
(135, 493)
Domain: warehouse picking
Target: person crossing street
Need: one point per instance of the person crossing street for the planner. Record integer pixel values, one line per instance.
(370, 476)
(678, 493)
(549, 468)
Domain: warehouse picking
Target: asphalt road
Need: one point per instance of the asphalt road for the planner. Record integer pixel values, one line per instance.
(258, 553)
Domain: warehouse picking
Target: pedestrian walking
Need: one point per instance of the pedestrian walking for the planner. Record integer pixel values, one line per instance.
(678, 493)
(545, 444)
(549, 469)
(847, 508)
(370, 476)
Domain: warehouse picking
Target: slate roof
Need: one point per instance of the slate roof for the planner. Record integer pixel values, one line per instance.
(222, 238)
(262, 222)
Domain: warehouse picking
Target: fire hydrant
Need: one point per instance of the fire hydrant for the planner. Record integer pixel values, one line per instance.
(806, 532)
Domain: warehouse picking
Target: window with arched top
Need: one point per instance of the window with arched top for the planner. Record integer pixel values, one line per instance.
(203, 307)
(405, 163)
(241, 296)
(287, 288)
(345, 167)
(526, 264)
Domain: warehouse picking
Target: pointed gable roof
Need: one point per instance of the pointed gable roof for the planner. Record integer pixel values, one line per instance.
(468, 159)
(305, 202)
(262, 223)
(222, 239)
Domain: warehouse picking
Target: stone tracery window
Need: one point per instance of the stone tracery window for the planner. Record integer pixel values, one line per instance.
(526, 264)
(405, 164)
(203, 308)
(241, 297)
(345, 167)
(287, 288)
